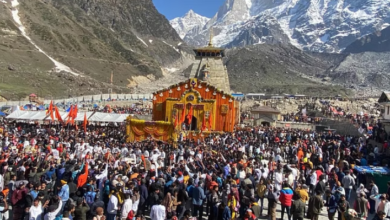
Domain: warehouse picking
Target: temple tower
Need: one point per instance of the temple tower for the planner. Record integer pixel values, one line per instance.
(208, 67)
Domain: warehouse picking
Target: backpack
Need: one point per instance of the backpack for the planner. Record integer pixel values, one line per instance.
(89, 197)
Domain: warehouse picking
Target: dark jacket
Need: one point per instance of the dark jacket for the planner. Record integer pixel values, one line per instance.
(144, 194)
(315, 205)
(80, 213)
(320, 187)
(331, 203)
(298, 209)
(72, 188)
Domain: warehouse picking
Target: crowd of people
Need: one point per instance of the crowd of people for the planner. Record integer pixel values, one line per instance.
(56, 172)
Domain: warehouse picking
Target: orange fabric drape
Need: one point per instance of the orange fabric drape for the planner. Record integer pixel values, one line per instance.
(204, 122)
(58, 116)
(50, 107)
(210, 121)
(74, 115)
(83, 177)
(70, 114)
(183, 115)
(85, 122)
(190, 113)
(51, 111)
(176, 122)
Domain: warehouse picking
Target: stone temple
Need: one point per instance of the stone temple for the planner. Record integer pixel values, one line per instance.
(208, 67)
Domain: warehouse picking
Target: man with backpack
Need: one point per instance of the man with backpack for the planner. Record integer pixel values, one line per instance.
(90, 196)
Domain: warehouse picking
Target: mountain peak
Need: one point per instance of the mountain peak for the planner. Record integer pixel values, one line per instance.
(191, 22)
(321, 26)
(190, 13)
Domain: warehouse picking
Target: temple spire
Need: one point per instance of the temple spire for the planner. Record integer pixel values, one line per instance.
(211, 38)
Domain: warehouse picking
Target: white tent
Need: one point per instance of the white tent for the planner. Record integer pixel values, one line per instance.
(98, 116)
(107, 117)
(16, 114)
(116, 117)
(121, 96)
(27, 115)
(114, 96)
(134, 96)
(128, 96)
(40, 115)
(105, 96)
(63, 116)
(80, 115)
(87, 98)
(97, 97)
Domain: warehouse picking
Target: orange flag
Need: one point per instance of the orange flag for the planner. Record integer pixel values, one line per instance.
(210, 122)
(70, 114)
(189, 116)
(176, 122)
(183, 115)
(143, 159)
(52, 113)
(204, 123)
(57, 113)
(74, 115)
(85, 122)
(50, 108)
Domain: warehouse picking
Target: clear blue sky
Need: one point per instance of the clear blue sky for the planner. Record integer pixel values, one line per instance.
(177, 8)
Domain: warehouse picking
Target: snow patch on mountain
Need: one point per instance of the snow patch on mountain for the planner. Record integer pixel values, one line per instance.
(177, 50)
(316, 25)
(140, 39)
(15, 15)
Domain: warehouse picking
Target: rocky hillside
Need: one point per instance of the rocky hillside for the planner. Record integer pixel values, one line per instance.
(286, 69)
(128, 38)
(281, 69)
(375, 42)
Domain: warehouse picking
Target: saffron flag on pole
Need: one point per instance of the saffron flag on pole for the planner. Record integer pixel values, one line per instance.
(51, 111)
(70, 114)
(210, 121)
(74, 115)
(85, 122)
(75, 110)
(176, 121)
(50, 108)
(189, 116)
(204, 122)
(57, 113)
(183, 115)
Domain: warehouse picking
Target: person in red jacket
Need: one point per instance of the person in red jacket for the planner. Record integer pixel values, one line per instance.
(286, 195)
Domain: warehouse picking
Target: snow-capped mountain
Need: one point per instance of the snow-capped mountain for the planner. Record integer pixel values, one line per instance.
(316, 25)
(191, 22)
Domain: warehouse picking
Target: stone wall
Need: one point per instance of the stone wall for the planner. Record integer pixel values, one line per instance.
(294, 125)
